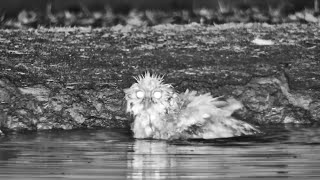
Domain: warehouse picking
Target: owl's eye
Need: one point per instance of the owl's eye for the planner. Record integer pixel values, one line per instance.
(157, 94)
(140, 94)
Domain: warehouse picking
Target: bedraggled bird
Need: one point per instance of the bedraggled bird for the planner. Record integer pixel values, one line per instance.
(162, 113)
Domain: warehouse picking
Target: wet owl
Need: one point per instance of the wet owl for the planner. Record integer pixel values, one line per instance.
(162, 113)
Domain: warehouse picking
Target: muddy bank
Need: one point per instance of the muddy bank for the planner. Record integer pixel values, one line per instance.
(68, 78)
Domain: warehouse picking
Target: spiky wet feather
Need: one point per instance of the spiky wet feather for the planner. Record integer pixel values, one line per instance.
(176, 115)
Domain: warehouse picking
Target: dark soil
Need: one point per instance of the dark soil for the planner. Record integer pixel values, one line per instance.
(68, 78)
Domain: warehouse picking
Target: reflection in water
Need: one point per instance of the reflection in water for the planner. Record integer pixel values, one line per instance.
(282, 153)
(160, 160)
(152, 159)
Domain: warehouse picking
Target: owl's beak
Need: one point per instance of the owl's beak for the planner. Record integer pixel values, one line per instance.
(146, 102)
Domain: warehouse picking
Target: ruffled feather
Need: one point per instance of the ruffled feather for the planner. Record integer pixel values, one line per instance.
(203, 116)
(186, 115)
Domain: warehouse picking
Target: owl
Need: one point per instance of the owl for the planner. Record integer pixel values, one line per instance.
(161, 113)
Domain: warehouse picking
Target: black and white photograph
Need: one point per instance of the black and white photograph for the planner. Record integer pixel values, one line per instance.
(159, 89)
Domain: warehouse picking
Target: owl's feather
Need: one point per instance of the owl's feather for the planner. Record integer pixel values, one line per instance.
(161, 113)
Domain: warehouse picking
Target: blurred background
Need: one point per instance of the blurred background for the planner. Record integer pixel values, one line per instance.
(111, 12)
(12, 7)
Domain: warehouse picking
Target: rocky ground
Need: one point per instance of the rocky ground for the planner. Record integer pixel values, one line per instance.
(69, 78)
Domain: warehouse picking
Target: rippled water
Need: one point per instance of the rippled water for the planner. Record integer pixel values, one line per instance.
(281, 153)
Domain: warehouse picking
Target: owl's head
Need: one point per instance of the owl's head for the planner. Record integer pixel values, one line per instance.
(149, 92)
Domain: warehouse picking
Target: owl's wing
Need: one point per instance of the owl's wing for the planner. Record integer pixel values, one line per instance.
(206, 117)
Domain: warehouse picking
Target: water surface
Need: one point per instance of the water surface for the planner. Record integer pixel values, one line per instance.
(289, 152)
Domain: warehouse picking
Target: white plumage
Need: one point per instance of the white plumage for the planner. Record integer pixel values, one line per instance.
(161, 113)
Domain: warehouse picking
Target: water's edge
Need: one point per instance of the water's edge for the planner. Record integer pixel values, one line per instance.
(291, 152)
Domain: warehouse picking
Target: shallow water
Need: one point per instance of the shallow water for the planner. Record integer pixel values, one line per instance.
(282, 153)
